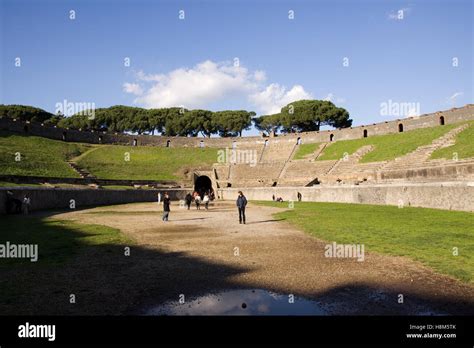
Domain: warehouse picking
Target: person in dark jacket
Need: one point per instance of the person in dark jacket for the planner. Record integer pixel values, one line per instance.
(13, 205)
(241, 204)
(166, 206)
(188, 199)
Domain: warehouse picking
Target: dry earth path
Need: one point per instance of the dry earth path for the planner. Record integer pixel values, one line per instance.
(201, 252)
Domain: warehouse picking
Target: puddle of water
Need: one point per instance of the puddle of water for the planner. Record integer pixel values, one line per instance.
(240, 302)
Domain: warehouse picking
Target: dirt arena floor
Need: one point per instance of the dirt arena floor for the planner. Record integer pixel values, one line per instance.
(201, 252)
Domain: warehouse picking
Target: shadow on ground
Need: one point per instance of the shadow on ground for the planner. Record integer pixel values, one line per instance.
(90, 263)
(93, 266)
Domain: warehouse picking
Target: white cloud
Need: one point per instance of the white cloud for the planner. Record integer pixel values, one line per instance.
(274, 97)
(452, 99)
(210, 82)
(144, 77)
(455, 96)
(205, 83)
(329, 97)
(399, 14)
(260, 75)
(133, 88)
(332, 98)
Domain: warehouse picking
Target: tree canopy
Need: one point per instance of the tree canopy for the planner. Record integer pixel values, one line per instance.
(269, 123)
(232, 122)
(167, 121)
(25, 113)
(303, 116)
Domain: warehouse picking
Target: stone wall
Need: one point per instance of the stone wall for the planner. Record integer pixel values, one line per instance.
(71, 135)
(446, 195)
(44, 198)
(429, 120)
(24, 179)
(448, 171)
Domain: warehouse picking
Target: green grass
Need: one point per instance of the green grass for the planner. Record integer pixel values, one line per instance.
(57, 240)
(12, 184)
(305, 149)
(46, 157)
(386, 147)
(146, 163)
(60, 244)
(62, 185)
(122, 187)
(425, 235)
(464, 146)
(38, 156)
(117, 187)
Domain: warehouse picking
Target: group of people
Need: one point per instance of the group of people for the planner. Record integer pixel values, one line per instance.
(277, 199)
(196, 197)
(198, 200)
(16, 206)
(299, 196)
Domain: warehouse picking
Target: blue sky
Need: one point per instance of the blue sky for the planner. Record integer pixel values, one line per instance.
(192, 62)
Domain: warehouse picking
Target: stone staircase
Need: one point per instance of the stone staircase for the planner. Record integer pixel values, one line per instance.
(423, 153)
(314, 155)
(303, 172)
(83, 173)
(277, 151)
(346, 164)
(319, 151)
(277, 166)
(287, 162)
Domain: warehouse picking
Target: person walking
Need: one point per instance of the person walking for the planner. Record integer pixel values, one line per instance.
(197, 200)
(188, 199)
(205, 200)
(159, 198)
(241, 204)
(13, 205)
(26, 204)
(166, 206)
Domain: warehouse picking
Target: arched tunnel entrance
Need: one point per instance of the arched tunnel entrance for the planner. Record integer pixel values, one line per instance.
(203, 184)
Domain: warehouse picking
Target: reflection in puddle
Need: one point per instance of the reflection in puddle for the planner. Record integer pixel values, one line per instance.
(241, 302)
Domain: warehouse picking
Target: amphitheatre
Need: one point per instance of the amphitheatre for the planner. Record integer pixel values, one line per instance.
(404, 189)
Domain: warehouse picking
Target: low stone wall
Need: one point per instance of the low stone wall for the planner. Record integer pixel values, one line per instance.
(44, 198)
(462, 171)
(27, 179)
(445, 195)
(451, 116)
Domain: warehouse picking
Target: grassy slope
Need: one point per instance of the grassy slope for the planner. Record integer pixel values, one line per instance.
(39, 156)
(305, 149)
(148, 163)
(11, 184)
(386, 147)
(58, 240)
(426, 235)
(107, 187)
(464, 146)
(46, 157)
